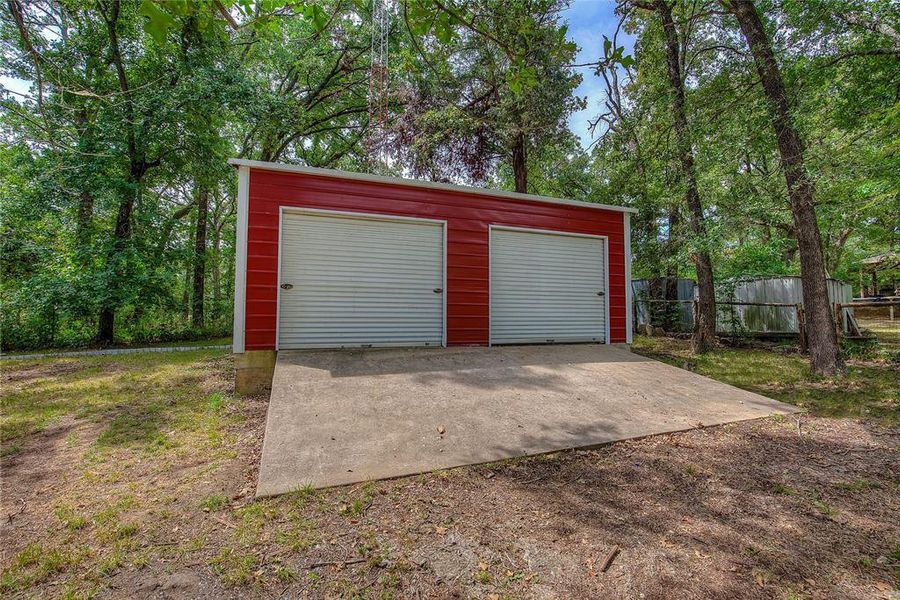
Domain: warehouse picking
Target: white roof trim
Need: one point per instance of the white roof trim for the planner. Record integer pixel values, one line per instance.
(271, 166)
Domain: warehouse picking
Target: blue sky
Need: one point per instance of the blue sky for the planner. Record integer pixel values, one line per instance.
(588, 20)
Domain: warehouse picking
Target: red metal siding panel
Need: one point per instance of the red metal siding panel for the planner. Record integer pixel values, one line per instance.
(468, 216)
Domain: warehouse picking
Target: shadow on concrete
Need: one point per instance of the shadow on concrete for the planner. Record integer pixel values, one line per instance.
(341, 417)
(353, 362)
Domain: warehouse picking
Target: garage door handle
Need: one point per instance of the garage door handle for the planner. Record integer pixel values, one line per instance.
(287, 286)
(601, 294)
(437, 290)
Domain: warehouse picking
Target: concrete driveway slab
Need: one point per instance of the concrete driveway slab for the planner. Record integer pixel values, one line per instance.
(344, 416)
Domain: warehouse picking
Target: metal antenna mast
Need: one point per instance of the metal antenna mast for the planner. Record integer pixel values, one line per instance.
(378, 82)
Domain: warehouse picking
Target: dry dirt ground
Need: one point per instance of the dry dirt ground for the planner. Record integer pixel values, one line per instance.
(147, 493)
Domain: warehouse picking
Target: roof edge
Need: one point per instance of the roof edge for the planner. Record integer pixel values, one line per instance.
(336, 174)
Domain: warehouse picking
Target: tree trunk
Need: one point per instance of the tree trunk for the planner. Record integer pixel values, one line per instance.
(705, 325)
(824, 352)
(188, 275)
(121, 237)
(83, 224)
(216, 273)
(520, 163)
(137, 169)
(105, 330)
(85, 198)
(200, 257)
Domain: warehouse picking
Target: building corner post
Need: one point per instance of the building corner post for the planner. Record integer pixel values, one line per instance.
(629, 308)
(240, 259)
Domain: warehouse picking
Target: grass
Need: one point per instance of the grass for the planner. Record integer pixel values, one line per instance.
(115, 421)
(214, 503)
(138, 399)
(868, 391)
(821, 505)
(360, 503)
(286, 574)
(886, 331)
(781, 489)
(234, 568)
(69, 518)
(10, 450)
(33, 565)
(859, 485)
(141, 437)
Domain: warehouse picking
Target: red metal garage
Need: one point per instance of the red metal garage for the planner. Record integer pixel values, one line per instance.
(333, 259)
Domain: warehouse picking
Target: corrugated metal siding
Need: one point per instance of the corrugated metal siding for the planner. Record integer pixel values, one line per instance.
(360, 282)
(771, 319)
(544, 288)
(684, 290)
(468, 217)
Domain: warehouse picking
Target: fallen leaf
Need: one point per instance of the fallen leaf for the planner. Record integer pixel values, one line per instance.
(440, 530)
(482, 566)
(440, 429)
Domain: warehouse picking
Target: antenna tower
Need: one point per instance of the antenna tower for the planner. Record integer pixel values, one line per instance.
(378, 83)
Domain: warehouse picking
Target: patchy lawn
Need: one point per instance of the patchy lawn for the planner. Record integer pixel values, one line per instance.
(870, 390)
(885, 329)
(132, 476)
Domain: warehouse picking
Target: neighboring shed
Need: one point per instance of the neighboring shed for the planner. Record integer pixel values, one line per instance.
(770, 319)
(332, 259)
(640, 289)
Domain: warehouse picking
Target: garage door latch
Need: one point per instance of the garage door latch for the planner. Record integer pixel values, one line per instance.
(601, 294)
(437, 290)
(287, 286)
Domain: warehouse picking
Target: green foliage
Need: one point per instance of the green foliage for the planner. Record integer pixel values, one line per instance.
(826, 55)
(482, 81)
(135, 125)
(140, 103)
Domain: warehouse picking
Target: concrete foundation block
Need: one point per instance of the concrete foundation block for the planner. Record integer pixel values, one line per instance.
(253, 372)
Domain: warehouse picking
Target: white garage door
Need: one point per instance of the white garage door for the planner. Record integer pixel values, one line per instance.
(351, 281)
(547, 287)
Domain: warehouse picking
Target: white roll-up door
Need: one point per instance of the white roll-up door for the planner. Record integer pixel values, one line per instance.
(547, 287)
(359, 281)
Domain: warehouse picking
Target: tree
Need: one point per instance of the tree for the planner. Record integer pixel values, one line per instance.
(489, 84)
(479, 92)
(307, 89)
(825, 354)
(199, 276)
(117, 109)
(705, 319)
